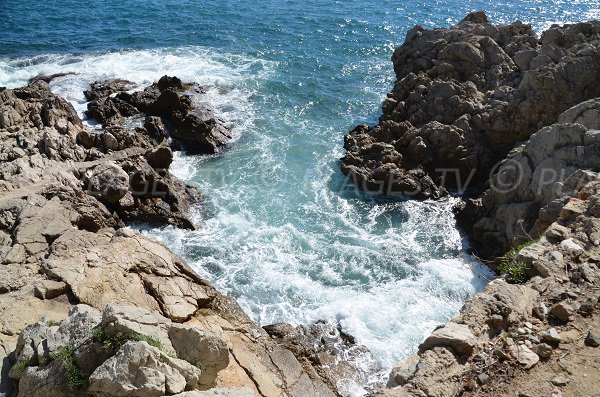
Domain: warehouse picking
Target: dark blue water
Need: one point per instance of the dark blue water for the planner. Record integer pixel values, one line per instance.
(282, 231)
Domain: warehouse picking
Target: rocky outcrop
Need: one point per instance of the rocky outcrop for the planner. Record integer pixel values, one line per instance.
(464, 96)
(477, 100)
(534, 185)
(508, 338)
(88, 307)
(192, 125)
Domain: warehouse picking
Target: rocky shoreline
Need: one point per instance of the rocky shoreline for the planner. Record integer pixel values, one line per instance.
(90, 308)
(477, 100)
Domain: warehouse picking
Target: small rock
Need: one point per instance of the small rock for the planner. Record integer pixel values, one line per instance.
(483, 378)
(521, 331)
(571, 247)
(563, 311)
(540, 311)
(560, 381)
(551, 336)
(524, 356)
(110, 142)
(544, 350)
(592, 339)
(587, 273)
(528, 325)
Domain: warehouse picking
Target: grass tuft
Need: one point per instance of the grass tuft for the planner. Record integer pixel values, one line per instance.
(514, 270)
(114, 342)
(75, 379)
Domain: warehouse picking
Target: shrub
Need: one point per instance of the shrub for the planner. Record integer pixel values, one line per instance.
(514, 270)
(75, 379)
(114, 342)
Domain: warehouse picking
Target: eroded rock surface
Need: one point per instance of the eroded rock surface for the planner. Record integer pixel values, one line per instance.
(464, 96)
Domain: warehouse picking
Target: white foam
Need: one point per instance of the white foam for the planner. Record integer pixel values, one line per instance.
(286, 236)
(230, 79)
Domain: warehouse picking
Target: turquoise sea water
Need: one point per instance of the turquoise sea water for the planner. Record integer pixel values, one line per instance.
(282, 231)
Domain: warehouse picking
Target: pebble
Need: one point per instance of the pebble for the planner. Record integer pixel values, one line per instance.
(560, 381)
(528, 325)
(483, 378)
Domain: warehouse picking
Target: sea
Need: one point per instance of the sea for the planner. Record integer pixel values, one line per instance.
(281, 229)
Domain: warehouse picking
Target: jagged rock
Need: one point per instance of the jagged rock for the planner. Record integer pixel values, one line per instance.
(563, 311)
(108, 182)
(105, 88)
(464, 96)
(200, 131)
(524, 356)
(403, 371)
(155, 128)
(592, 339)
(456, 336)
(141, 370)
(551, 337)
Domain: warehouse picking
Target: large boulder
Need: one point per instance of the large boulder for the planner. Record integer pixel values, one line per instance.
(139, 369)
(458, 337)
(207, 350)
(108, 182)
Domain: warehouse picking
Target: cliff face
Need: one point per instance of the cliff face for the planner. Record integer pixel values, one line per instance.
(91, 308)
(463, 97)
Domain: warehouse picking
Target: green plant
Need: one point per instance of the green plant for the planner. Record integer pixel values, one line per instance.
(200, 366)
(52, 323)
(115, 341)
(75, 379)
(21, 366)
(514, 270)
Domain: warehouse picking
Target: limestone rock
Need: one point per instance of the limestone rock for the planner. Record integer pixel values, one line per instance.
(403, 371)
(524, 356)
(205, 349)
(456, 336)
(139, 369)
(49, 289)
